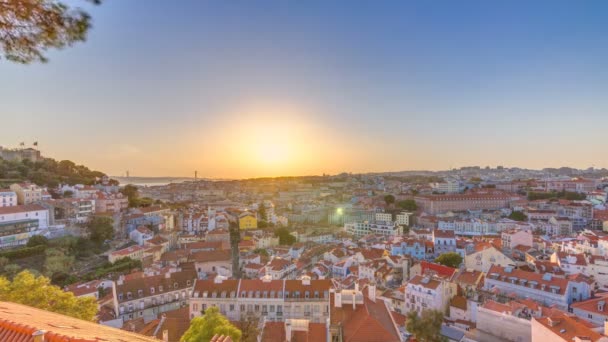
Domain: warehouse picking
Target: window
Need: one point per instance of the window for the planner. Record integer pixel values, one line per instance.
(194, 307)
(231, 307)
(589, 316)
(152, 290)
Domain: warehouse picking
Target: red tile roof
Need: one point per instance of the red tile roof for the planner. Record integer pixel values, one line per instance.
(18, 323)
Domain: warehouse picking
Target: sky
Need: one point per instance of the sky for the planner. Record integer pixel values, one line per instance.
(268, 88)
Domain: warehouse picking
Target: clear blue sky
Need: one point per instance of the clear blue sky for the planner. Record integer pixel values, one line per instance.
(163, 87)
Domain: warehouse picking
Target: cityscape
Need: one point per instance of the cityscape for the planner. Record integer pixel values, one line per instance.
(282, 171)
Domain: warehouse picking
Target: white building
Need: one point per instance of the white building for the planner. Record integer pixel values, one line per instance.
(141, 235)
(543, 288)
(18, 223)
(27, 193)
(8, 198)
(424, 292)
(403, 218)
(274, 300)
(450, 186)
(360, 229)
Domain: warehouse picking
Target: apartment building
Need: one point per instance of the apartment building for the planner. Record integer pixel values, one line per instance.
(27, 193)
(444, 241)
(485, 255)
(473, 200)
(273, 300)
(110, 202)
(18, 223)
(425, 292)
(572, 185)
(8, 198)
(149, 296)
(403, 218)
(360, 229)
(543, 288)
(516, 237)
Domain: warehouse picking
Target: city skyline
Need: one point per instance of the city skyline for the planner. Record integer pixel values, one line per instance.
(287, 89)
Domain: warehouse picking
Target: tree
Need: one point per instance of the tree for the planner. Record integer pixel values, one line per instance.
(29, 28)
(426, 327)
(285, 237)
(100, 228)
(408, 204)
(518, 216)
(248, 325)
(38, 292)
(451, 259)
(262, 211)
(389, 199)
(37, 240)
(57, 262)
(211, 323)
(68, 194)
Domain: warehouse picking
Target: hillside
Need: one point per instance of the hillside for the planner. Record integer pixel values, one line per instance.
(47, 172)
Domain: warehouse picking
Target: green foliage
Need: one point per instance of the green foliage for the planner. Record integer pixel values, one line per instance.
(285, 237)
(100, 228)
(262, 224)
(389, 199)
(426, 327)
(29, 28)
(37, 291)
(451, 259)
(120, 266)
(211, 323)
(48, 172)
(261, 251)
(23, 252)
(408, 204)
(262, 211)
(57, 262)
(37, 240)
(518, 216)
(135, 201)
(571, 196)
(11, 270)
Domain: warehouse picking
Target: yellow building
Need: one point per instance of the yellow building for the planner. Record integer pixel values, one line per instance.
(247, 220)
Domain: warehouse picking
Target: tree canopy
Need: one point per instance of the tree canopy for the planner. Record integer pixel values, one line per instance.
(37, 291)
(285, 237)
(450, 259)
(426, 327)
(48, 172)
(389, 199)
(518, 216)
(408, 204)
(100, 228)
(29, 28)
(211, 323)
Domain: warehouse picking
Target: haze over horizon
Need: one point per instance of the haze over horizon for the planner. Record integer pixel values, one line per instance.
(241, 90)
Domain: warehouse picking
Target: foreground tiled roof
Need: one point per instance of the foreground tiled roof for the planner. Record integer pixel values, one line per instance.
(568, 327)
(370, 321)
(18, 323)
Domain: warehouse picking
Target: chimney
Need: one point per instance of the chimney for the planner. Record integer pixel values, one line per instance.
(38, 336)
(371, 292)
(338, 299)
(606, 327)
(288, 330)
(305, 280)
(166, 335)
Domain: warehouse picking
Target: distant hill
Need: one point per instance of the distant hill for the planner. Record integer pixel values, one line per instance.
(47, 172)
